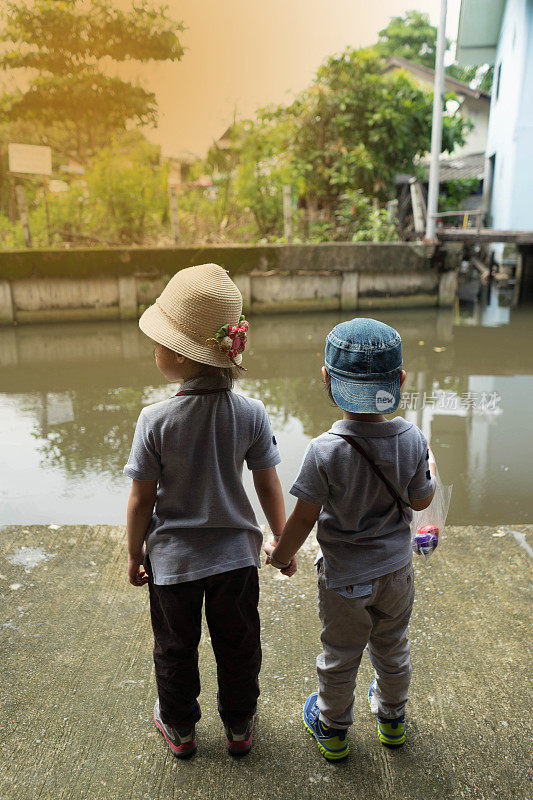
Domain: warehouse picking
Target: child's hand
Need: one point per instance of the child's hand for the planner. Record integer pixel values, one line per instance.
(137, 575)
(291, 569)
(268, 547)
(288, 571)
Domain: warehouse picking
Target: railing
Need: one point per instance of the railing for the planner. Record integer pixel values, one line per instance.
(465, 214)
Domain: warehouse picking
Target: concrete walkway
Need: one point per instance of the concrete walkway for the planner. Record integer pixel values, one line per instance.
(78, 687)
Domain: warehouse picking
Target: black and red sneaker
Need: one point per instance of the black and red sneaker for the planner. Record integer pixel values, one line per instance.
(239, 738)
(182, 741)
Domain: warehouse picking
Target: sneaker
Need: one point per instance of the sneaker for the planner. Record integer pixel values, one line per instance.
(332, 742)
(239, 739)
(391, 732)
(182, 741)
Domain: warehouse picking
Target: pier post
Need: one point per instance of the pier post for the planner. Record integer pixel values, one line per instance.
(6, 304)
(349, 291)
(447, 288)
(127, 297)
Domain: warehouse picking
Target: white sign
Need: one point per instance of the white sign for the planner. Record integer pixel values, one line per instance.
(57, 186)
(30, 159)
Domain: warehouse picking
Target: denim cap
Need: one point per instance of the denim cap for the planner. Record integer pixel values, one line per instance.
(363, 360)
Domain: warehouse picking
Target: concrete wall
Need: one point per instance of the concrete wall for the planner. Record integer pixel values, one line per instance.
(305, 277)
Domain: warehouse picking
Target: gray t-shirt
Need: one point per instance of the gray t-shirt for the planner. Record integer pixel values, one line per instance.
(360, 531)
(194, 447)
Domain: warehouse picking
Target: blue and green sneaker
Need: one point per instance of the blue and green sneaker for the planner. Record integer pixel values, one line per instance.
(332, 742)
(391, 732)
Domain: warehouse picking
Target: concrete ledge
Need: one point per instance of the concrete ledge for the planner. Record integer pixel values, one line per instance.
(391, 283)
(289, 291)
(278, 278)
(78, 686)
(62, 293)
(157, 262)
(399, 301)
(68, 314)
(290, 306)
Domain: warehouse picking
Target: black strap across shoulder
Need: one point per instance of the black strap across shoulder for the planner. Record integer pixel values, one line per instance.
(185, 392)
(400, 503)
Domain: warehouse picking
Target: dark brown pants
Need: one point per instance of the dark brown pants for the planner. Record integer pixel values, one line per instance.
(231, 600)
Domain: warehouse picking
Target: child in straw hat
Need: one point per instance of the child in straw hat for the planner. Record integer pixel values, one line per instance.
(192, 532)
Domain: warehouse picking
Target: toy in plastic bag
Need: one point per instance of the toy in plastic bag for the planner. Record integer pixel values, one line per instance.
(427, 525)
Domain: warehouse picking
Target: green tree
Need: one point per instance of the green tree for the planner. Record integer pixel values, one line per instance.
(356, 127)
(457, 190)
(359, 219)
(127, 198)
(65, 50)
(414, 38)
(480, 77)
(411, 36)
(339, 145)
(263, 168)
(121, 200)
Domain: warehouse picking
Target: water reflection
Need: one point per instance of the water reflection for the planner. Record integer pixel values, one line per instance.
(87, 431)
(71, 395)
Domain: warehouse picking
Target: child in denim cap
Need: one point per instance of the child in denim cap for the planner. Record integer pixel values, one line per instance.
(192, 533)
(360, 480)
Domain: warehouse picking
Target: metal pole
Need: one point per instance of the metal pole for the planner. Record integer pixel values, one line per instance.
(47, 212)
(23, 212)
(174, 219)
(436, 126)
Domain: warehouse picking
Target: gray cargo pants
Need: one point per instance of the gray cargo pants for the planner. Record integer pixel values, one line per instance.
(349, 624)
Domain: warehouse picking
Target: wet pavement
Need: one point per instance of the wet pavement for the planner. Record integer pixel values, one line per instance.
(78, 686)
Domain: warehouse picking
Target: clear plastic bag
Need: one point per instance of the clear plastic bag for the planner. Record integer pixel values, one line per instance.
(427, 525)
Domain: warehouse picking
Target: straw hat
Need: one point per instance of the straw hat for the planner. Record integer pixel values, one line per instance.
(192, 307)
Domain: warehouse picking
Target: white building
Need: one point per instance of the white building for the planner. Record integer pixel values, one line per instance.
(500, 32)
(473, 103)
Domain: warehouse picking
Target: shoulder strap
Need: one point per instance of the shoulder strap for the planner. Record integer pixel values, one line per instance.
(186, 392)
(400, 503)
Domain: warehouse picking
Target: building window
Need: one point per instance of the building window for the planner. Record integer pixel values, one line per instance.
(498, 79)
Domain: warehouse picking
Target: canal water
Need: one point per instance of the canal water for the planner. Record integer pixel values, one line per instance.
(70, 395)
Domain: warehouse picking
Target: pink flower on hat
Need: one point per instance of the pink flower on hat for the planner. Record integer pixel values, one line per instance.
(232, 338)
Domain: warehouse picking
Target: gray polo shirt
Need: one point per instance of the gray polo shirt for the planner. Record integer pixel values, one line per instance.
(195, 447)
(360, 532)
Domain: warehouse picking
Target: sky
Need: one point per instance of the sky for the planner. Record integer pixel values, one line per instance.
(245, 54)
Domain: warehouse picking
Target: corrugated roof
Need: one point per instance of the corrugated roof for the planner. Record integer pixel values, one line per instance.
(450, 84)
(467, 166)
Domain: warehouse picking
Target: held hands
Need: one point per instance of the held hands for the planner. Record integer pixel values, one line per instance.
(137, 575)
(290, 570)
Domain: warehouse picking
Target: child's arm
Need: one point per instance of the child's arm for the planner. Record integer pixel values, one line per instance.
(140, 507)
(420, 505)
(298, 527)
(270, 496)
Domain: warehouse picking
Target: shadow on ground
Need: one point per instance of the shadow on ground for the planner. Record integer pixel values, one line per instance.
(78, 685)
